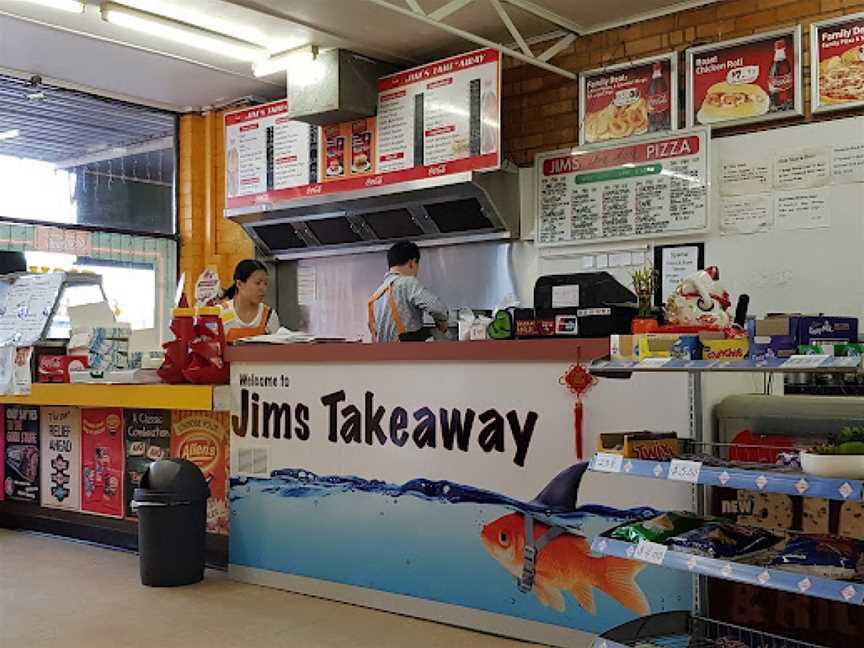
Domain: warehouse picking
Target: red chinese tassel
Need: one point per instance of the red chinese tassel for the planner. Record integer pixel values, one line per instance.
(578, 381)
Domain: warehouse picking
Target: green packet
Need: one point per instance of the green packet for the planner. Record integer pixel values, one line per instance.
(855, 350)
(660, 528)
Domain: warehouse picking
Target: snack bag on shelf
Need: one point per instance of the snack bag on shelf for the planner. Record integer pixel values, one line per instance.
(723, 540)
(658, 529)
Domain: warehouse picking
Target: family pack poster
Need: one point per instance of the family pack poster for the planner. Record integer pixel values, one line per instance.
(102, 461)
(61, 457)
(148, 439)
(21, 481)
(837, 60)
(202, 438)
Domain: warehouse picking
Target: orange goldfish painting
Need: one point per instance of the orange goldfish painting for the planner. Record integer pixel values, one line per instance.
(565, 564)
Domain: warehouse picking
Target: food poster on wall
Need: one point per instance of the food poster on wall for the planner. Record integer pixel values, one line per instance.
(432, 492)
(626, 100)
(202, 438)
(102, 455)
(22, 451)
(444, 112)
(148, 439)
(61, 457)
(837, 63)
(745, 80)
(624, 191)
(348, 150)
(265, 151)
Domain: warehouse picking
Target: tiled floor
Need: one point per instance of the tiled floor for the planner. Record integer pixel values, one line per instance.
(59, 594)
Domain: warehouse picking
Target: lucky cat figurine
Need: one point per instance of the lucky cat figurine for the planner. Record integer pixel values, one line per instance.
(700, 300)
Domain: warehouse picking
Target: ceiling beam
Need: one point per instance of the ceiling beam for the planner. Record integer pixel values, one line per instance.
(161, 144)
(557, 47)
(450, 8)
(415, 7)
(514, 31)
(550, 16)
(475, 38)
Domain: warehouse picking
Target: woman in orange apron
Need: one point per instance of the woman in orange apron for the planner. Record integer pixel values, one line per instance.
(246, 314)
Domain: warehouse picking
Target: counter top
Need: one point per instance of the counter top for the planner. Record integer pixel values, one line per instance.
(546, 350)
(175, 397)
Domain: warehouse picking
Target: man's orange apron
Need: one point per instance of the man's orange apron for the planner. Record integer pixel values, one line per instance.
(394, 311)
(249, 331)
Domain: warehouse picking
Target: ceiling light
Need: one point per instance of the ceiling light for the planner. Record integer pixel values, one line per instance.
(72, 6)
(281, 62)
(9, 134)
(182, 33)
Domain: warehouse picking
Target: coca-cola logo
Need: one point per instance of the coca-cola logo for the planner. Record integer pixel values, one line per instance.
(780, 82)
(658, 102)
(441, 169)
(374, 182)
(313, 190)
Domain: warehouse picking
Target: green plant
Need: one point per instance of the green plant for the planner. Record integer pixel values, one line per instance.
(850, 440)
(644, 281)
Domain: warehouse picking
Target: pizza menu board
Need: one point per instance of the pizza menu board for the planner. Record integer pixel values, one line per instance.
(655, 187)
(265, 152)
(750, 79)
(837, 62)
(630, 99)
(432, 121)
(61, 457)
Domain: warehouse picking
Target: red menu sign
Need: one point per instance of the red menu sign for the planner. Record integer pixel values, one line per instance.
(631, 99)
(837, 63)
(749, 79)
(434, 120)
(102, 457)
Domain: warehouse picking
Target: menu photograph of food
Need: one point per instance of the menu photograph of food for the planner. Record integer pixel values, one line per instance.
(627, 100)
(837, 61)
(749, 79)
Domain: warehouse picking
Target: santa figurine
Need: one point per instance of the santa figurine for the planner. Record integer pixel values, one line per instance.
(700, 301)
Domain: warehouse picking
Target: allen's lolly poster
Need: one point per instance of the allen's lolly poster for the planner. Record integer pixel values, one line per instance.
(148, 439)
(21, 481)
(102, 461)
(61, 457)
(202, 438)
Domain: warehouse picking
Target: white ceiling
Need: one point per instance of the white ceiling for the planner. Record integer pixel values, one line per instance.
(87, 52)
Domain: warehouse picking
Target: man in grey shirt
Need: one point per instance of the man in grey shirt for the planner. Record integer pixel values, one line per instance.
(396, 309)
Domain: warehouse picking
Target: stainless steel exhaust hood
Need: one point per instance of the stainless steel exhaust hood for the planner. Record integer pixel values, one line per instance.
(459, 208)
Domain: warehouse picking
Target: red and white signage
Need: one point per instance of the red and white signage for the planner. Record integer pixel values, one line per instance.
(435, 120)
(750, 79)
(63, 241)
(102, 460)
(627, 100)
(837, 63)
(658, 186)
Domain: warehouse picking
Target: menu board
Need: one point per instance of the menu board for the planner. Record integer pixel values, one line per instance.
(434, 120)
(746, 80)
(102, 461)
(28, 305)
(655, 187)
(630, 99)
(202, 438)
(21, 481)
(265, 151)
(837, 63)
(148, 439)
(61, 457)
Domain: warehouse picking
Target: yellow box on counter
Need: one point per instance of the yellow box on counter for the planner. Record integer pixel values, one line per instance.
(639, 445)
(624, 347)
(669, 345)
(725, 349)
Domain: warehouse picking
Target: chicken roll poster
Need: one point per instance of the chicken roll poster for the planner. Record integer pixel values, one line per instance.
(61, 457)
(21, 481)
(102, 461)
(750, 79)
(349, 479)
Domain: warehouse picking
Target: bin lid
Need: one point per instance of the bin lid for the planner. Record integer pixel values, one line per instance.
(172, 480)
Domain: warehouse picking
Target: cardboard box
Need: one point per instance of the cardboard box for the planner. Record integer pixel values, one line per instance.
(639, 445)
(55, 368)
(624, 347)
(827, 329)
(728, 350)
(669, 345)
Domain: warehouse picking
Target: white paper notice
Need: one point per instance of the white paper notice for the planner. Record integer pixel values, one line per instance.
(739, 177)
(803, 209)
(565, 296)
(637, 258)
(619, 260)
(602, 261)
(848, 163)
(746, 214)
(307, 286)
(588, 263)
(806, 169)
(678, 262)
(28, 305)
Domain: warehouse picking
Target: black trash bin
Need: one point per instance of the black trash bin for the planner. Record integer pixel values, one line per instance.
(172, 523)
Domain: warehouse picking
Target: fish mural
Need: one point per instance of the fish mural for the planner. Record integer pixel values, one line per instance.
(565, 564)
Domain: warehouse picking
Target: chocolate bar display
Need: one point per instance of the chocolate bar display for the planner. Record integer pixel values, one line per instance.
(148, 439)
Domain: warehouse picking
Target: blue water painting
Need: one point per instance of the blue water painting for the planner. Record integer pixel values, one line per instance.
(423, 539)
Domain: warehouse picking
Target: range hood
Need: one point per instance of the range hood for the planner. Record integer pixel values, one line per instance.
(459, 208)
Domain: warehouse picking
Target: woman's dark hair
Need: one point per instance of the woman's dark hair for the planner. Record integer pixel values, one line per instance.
(242, 272)
(401, 253)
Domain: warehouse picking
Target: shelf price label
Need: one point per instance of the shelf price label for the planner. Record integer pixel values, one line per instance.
(803, 361)
(608, 462)
(654, 363)
(650, 552)
(685, 471)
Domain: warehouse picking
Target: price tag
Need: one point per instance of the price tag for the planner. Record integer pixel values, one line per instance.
(685, 471)
(608, 462)
(653, 363)
(806, 361)
(650, 552)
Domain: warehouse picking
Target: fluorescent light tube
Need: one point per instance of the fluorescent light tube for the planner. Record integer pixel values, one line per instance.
(281, 62)
(179, 32)
(72, 6)
(9, 134)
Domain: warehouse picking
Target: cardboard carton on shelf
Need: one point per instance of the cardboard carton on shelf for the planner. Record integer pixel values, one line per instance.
(775, 336)
(639, 445)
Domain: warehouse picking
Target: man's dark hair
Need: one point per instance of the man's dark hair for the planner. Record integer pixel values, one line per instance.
(402, 253)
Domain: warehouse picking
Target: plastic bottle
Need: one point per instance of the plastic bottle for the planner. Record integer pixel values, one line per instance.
(781, 80)
(659, 102)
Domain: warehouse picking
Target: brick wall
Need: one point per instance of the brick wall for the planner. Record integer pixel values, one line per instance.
(207, 238)
(541, 109)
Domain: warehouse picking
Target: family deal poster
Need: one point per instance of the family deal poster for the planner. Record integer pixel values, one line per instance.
(837, 62)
